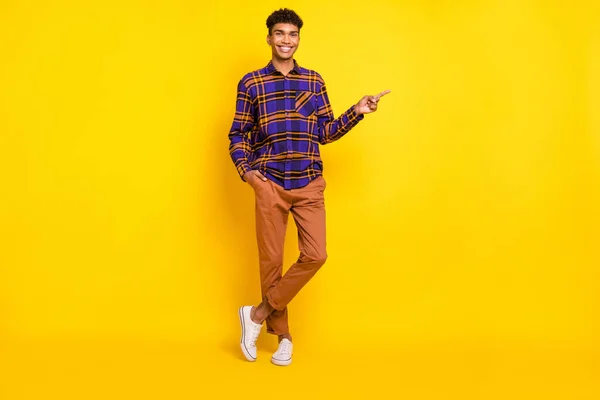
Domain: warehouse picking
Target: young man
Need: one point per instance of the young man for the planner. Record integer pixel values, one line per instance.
(282, 115)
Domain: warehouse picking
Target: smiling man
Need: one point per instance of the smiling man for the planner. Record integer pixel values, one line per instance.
(282, 116)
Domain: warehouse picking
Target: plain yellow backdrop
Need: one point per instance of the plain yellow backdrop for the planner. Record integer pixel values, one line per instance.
(463, 217)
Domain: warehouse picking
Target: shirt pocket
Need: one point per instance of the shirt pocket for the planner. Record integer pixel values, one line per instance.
(305, 103)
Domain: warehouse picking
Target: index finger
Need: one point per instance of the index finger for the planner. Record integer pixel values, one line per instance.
(380, 95)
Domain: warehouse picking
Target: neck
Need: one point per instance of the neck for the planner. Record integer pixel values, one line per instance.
(283, 66)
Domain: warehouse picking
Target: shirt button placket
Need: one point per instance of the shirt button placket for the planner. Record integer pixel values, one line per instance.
(288, 127)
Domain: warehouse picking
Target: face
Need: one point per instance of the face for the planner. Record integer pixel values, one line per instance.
(284, 40)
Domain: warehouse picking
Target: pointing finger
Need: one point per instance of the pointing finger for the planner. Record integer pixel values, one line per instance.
(380, 95)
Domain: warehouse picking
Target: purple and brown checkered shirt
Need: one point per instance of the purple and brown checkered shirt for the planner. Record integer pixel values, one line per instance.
(279, 123)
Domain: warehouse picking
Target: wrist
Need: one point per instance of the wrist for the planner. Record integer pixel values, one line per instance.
(356, 110)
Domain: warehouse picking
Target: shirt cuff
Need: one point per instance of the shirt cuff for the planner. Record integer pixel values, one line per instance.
(353, 117)
(242, 169)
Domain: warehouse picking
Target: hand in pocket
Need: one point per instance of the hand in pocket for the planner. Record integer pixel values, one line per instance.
(252, 175)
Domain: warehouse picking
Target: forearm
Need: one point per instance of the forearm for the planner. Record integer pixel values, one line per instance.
(331, 130)
(239, 149)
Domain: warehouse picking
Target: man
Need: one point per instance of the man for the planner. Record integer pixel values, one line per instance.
(282, 115)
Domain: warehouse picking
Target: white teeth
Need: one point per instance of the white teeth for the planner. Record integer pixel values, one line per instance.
(285, 48)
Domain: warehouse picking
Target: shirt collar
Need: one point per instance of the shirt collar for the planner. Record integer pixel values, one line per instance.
(270, 68)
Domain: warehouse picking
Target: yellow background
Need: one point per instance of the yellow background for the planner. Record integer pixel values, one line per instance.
(463, 218)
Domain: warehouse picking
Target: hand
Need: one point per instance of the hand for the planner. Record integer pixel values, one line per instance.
(248, 176)
(368, 104)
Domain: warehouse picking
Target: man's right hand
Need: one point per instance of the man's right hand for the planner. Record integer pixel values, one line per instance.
(253, 174)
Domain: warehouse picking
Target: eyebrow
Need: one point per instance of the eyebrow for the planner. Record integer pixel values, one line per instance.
(282, 31)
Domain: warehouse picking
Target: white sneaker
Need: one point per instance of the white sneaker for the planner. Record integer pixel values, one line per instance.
(250, 332)
(283, 355)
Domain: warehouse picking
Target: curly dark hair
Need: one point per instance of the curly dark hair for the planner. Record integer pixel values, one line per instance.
(285, 16)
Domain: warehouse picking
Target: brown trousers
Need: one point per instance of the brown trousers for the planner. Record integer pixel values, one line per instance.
(273, 204)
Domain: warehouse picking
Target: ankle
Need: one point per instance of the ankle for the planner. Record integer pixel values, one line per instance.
(255, 315)
(285, 336)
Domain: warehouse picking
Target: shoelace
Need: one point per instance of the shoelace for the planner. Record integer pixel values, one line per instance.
(285, 348)
(254, 332)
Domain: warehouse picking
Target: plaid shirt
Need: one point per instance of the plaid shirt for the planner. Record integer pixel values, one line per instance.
(279, 123)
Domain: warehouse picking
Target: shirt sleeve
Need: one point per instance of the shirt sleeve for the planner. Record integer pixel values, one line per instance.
(331, 129)
(243, 122)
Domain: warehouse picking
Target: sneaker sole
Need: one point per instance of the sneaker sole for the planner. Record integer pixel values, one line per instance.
(242, 345)
(281, 363)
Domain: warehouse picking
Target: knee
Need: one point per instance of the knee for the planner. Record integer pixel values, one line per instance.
(321, 259)
(317, 259)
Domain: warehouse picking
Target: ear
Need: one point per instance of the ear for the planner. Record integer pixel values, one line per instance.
(269, 40)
